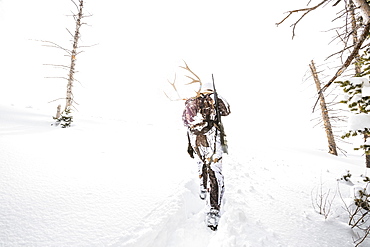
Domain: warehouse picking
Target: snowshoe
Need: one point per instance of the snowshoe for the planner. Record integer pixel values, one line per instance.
(212, 219)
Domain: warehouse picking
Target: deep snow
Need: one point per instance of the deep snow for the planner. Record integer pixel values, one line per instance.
(121, 175)
(122, 183)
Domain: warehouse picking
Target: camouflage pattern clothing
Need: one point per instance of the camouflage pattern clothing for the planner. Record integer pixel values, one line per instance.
(204, 138)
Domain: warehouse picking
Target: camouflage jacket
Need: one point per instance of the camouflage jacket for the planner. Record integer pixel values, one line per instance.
(200, 114)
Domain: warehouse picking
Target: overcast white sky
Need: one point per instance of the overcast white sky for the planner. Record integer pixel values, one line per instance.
(256, 65)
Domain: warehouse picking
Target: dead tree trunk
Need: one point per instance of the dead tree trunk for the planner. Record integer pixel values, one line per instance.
(76, 37)
(354, 34)
(366, 9)
(324, 112)
(57, 116)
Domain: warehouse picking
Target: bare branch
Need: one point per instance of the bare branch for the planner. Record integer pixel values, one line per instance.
(56, 100)
(353, 54)
(305, 10)
(87, 46)
(335, 4)
(54, 45)
(69, 32)
(57, 77)
(57, 65)
(75, 4)
(348, 61)
(341, 51)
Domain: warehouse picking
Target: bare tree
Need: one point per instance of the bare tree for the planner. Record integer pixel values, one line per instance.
(354, 34)
(65, 116)
(324, 112)
(357, 58)
(348, 7)
(356, 28)
(76, 37)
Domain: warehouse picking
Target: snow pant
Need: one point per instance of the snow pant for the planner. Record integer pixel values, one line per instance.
(209, 160)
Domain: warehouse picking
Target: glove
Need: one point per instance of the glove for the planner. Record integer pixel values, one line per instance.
(190, 151)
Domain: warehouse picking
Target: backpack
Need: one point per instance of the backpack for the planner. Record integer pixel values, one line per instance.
(199, 114)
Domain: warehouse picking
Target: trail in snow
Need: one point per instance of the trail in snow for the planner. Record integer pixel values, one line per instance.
(263, 206)
(179, 221)
(114, 188)
(171, 222)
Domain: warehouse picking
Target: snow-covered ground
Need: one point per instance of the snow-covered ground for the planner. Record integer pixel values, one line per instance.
(121, 175)
(123, 183)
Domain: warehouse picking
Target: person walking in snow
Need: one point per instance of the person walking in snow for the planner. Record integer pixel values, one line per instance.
(204, 137)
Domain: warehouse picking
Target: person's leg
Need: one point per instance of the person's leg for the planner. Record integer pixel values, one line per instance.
(216, 184)
(203, 177)
(216, 193)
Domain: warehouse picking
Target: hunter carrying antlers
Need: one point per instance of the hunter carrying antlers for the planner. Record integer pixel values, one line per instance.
(202, 117)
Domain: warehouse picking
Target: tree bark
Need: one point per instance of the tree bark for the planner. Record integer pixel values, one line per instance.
(350, 58)
(324, 113)
(354, 35)
(76, 37)
(57, 116)
(365, 8)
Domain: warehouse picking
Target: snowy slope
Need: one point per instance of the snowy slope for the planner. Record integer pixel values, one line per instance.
(121, 175)
(58, 185)
(109, 183)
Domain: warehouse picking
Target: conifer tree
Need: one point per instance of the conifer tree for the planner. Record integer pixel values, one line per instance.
(65, 119)
(358, 101)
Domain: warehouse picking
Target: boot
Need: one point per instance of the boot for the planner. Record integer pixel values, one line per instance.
(212, 219)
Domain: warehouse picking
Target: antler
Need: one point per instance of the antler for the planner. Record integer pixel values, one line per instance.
(193, 80)
(174, 87)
